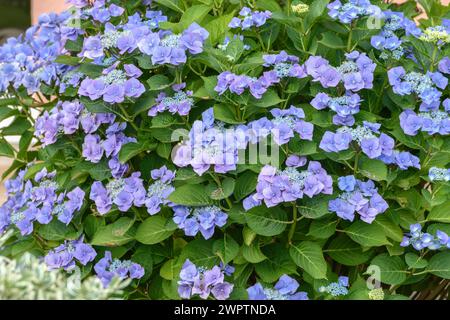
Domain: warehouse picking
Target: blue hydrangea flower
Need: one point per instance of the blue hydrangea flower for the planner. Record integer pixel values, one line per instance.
(284, 289)
(204, 282)
(199, 219)
(66, 255)
(336, 289)
(358, 196)
(420, 240)
(107, 268)
(278, 186)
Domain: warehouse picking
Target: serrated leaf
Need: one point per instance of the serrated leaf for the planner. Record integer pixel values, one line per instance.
(267, 221)
(155, 230)
(308, 256)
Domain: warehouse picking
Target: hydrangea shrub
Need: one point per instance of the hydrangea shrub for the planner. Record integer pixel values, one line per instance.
(233, 149)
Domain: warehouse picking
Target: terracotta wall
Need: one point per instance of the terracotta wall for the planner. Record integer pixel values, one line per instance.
(41, 6)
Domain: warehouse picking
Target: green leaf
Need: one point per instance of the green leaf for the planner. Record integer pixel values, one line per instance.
(269, 99)
(17, 127)
(226, 248)
(171, 4)
(344, 251)
(191, 195)
(392, 230)
(439, 265)
(158, 82)
(224, 191)
(323, 228)
(308, 256)
(155, 230)
(245, 184)
(168, 270)
(57, 231)
(332, 40)
(373, 169)
(392, 269)
(440, 213)
(314, 208)
(414, 261)
(199, 252)
(267, 221)
(68, 60)
(115, 234)
(6, 150)
(253, 253)
(143, 256)
(130, 150)
(367, 235)
(278, 262)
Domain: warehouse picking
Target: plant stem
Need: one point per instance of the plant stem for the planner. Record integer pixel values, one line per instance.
(294, 224)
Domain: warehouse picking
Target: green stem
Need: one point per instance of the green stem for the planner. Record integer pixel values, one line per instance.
(294, 224)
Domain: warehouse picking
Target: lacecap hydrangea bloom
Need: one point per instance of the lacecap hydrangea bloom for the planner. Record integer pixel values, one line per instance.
(425, 86)
(284, 289)
(423, 240)
(356, 73)
(439, 174)
(38, 200)
(159, 191)
(107, 268)
(249, 19)
(204, 282)
(431, 122)
(67, 254)
(277, 186)
(350, 10)
(336, 289)
(345, 106)
(122, 193)
(360, 197)
(199, 219)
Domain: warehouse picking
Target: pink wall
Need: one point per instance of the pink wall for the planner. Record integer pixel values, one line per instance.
(41, 6)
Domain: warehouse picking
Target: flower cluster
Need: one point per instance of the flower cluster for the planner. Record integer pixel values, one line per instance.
(159, 190)
(345, 106)
(439, 35)
(94, 147)
(66, 118)
(29, 60)
(204, 282)
(424, 85)
(64, 255)
(169, 48)
(210, 144)
(107, 268)
(352, 10)
(431, 122)
(283, 126)
(439, 174)
(336, 289)
(389, 40)
(366, 136)
(283, 65)
(199, 219)
(276, 186)
(376, 294)
(139, 33)
(356, 72)
(39, 201)
(122, 192)
(284, 289)
(249, 19)
(114, 86)
(421, 240)
(298, 7)
(180, 103)
(358, 196)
